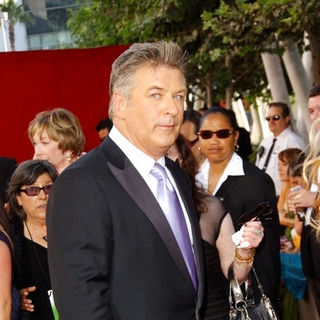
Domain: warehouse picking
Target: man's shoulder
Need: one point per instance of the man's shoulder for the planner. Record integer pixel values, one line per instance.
(293, 139)
(266, 141)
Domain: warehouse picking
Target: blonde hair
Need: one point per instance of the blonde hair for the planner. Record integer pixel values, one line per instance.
(311, 168)
(61, 126)
(148, 53)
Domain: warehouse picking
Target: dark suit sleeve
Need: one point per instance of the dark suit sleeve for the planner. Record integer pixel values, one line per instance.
(267, 259)
(242, 194)
(80, 246)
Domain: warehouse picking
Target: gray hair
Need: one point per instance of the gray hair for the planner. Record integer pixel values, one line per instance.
(152, 53)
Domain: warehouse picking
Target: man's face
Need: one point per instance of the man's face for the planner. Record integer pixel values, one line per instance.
(153, 112)
(188, 131)
(277, 122)
(103, 133)
(314, 107)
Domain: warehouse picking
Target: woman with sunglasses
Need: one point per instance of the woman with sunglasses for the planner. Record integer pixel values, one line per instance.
(216, 232)
(240, 186)
(28, 194)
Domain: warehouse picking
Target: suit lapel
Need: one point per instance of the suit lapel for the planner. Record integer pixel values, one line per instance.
(135, 186)
(226, 188)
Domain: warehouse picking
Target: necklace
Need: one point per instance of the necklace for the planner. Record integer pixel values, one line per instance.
(37, 255)
(45, 238)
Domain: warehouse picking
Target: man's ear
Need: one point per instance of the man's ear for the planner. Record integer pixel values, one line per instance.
(287, 119)
(119, 104)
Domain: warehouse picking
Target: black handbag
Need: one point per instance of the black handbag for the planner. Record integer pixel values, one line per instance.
(242, 304)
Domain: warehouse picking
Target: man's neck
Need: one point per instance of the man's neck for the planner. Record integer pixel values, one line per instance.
(278, 133)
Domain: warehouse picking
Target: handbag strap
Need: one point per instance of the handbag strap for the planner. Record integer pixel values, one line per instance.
(235, 288)
(253, 271)
(236, 298)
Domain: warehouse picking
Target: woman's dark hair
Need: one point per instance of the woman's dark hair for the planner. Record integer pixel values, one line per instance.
(192, 116)
(4, 220)
(189, 164)
(229, 114)
(26, 174)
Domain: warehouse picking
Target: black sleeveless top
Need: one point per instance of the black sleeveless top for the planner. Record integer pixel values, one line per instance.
(35, 272)
(216, 304)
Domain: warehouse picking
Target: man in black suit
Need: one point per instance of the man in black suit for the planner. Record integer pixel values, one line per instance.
(113, 253)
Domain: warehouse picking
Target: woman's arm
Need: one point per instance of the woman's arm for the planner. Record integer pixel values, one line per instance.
(242, 264)
(5, 282)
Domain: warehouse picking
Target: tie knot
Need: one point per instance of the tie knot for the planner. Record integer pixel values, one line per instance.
(159, 172)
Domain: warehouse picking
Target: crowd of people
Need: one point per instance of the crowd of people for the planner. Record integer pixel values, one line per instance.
(151, 223)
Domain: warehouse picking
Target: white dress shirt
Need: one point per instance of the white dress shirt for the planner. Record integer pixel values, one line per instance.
(144, 163)
(233, 168)
(287, 139)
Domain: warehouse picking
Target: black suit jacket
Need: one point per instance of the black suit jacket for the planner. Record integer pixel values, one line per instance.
(112, 254)
(241, 194)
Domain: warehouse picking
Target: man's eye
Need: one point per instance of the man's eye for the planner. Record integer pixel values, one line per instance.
(179, 97)
(155, 95)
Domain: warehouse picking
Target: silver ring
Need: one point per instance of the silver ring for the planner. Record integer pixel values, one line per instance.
(259, 233)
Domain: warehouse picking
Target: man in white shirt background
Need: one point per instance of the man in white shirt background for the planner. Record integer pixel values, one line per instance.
(282, 138)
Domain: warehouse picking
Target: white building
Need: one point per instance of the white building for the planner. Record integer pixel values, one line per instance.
(48, 30)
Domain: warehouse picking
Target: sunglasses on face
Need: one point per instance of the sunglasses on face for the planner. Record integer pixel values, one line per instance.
(221, 134)
(274, 118)
(34, 191)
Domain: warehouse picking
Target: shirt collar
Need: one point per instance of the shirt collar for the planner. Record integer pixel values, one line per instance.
(235, 166)
(283, 133)
(141, 161)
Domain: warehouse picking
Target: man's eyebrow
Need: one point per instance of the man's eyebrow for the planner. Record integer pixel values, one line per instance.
(155, 88)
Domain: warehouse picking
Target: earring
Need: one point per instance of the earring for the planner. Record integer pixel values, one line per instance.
(236, 148)
(68, 158)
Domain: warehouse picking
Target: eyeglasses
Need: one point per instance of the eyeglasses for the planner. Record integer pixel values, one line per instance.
(274, 118)
(34, 191)
(221, 134)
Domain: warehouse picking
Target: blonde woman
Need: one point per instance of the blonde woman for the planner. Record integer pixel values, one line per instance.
(309, 201)
(57, 137)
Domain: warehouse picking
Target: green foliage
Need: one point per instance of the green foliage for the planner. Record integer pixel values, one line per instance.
(15, 12)
(210, 30)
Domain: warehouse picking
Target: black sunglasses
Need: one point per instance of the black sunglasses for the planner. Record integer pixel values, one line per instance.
(34, 191)
(221, 134)
(275, 118)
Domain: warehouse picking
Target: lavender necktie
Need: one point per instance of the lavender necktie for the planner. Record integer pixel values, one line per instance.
(171, 207)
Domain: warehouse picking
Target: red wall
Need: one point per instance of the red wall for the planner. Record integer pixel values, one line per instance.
(33, 81)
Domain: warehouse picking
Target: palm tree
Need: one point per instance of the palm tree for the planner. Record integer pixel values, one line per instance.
(16, 14)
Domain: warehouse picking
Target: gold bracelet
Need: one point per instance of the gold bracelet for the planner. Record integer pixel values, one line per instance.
(244, 264)
(249, 259)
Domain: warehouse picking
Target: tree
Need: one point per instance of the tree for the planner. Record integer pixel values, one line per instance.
(267, 25)
(272, 26)
(16, 14)
(127, 21)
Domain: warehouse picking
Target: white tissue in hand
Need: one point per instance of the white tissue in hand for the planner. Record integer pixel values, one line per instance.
(238, 239)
